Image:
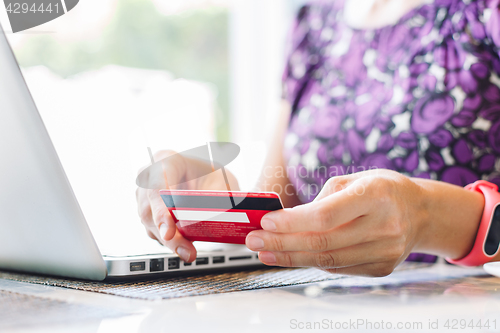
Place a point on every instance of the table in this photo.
(441, 298)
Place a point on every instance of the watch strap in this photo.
(477, 256)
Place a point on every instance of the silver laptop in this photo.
(42, 227)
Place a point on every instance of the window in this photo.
(112, 78)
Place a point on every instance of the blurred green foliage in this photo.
(193, 45)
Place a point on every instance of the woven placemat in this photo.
(183, 286)
(195, 285)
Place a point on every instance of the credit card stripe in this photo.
(195, 201)
(215, 216)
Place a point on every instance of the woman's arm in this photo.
(274, 176)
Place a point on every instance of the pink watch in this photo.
(487, 241)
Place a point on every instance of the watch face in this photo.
(493, 238)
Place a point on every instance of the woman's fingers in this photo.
(355, 232)
(373, 252)
(182, 247)
(176, 242)
(333, 210)
(161, 216)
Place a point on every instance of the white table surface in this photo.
(424, 296)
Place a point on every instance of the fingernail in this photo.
(267, 224)
(183, 253)
(255, 243)
(267, 258)
(163, 230)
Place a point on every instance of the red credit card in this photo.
(219, 216)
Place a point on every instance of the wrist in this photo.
(453, 214)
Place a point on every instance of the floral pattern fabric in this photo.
(421, 97)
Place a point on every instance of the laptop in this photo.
(42, 226)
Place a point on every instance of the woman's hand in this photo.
(152, 210)
(360, 224)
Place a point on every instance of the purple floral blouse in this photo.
(421, 97)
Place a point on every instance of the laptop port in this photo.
(137, 266)
(174, 263)
(218, 260)
(157, 265)
(240, 258)
(202, 261)
(188, 263)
